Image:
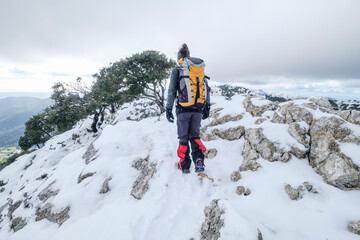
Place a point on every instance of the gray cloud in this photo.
(250, 40)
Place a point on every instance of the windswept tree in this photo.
(37, 131)
(147, 74)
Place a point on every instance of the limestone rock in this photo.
(298, 133)
(49, 212)
(326, 158)
(294, 113)
(309, 187)
(47, 192)
(225, 119)
(141, 185)
(247, 192)
(210, 229)
(17, 224)
(321, 102)
(260, 121)
(228, 134)
(250, 156)
(285, 157)
(257, 111)
(210, 153)
(240, 190)
(13, 207)
(294, 194)
(2, 189)
(299, 153)
(2, 183)
(261, 144)
(90, 154)
(260, 237)
(277, 118)
(354, 117)
(86, 175)
(235, 176)
(105, 187)
(354, 227)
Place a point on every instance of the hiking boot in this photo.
(186, 171)
(199, 165)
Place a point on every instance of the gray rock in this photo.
(105, 187)
(277, 119)
(260, 237)
(354, 227)
(86, 175)
(310, 105)
(210, 153)
(260, 121)
(42, 177)
(293, 193)
(18, 223)
(321, 102)
(298, 133)
(90, 154)
(250, 156)
(12, 208)
(354, 117)
(210, 229)
(235, 176)
(225, 119)
(325, 156)
(2, 189)
(240, 190)
(49, 212)
(141, 185)
(257, 111)
(261, 144)
(299, 153)
(294, 113)
(2, 183)
(247, 192)
(47, 192)
(228, 134)
(285, 157)
(309, 187)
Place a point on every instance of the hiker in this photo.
(189, 84)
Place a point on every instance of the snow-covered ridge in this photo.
(262, 181)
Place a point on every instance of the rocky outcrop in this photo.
(257, 111)
(143, 109)
(250, 155)
(48, 192)
(13, 207)
(354, 227)
(227, 118)
(49, 212)
(354, 117)
(18, 223)
(298, 193)
(228, 134)
(147, 170)
(86, 175)
(292, 113)
(90, 154)
(235, 176)
(210, 153)
(210, 229)
(294, 194)
(298, 133)
(263, 146)
(326, 158)
(240, 190)
(105, 187)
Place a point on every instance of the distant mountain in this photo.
(14, 112)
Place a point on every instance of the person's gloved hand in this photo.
(206, 111)
(169, 115)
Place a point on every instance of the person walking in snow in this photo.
(188, 85)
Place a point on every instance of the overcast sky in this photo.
(281, 45)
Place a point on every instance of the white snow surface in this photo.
(173, 207)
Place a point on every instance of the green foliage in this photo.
(141, 75)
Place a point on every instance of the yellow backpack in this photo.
(194, 91)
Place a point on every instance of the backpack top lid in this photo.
(191, 61)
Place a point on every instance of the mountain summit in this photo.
(274, 170)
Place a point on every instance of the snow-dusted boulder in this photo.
(326, 158)
(210, 229)
(257, 106)
(294, 113)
